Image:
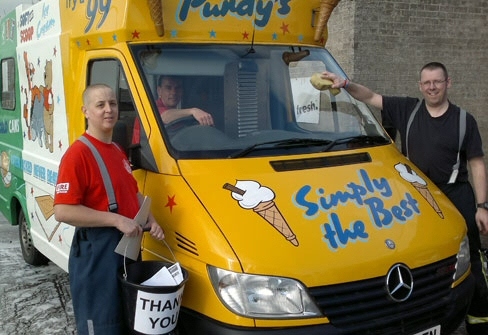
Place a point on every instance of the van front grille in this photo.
(364, 307)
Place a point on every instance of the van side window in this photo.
(8, 83)
(110, 72)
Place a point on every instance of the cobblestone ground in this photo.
(36, 300)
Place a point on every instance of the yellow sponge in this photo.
(323, 84)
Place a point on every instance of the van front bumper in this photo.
(190, 322)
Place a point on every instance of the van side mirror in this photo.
(135, 156)
(119, 135)
(141, 158)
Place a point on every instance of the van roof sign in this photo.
(294, 22)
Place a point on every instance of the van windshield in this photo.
(260, 100)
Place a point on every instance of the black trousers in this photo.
(462, 196)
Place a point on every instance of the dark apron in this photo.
(93, 267)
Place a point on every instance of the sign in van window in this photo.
(306, 99)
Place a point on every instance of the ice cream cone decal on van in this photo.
(156, 11)
(326, 8)
(251, 195)
(420, 185)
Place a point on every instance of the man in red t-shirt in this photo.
(169, 92)
(81, 200)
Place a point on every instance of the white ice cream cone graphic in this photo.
(251, 195)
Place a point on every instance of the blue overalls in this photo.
(93, 267)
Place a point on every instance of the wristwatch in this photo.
(483, 205)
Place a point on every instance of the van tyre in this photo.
(29, 252)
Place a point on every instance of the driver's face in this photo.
(170, 92)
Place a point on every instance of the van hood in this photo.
(323, 217)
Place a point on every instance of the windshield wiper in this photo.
(305, 142)
(288, 143)
(359, 139)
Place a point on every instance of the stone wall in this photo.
(384, 43)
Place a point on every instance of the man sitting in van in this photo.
(170, 91)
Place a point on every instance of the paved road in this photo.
(36, 300)
(33, 300)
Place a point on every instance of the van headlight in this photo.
(262, 296)
(463, 259)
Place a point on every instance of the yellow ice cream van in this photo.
(294, 213)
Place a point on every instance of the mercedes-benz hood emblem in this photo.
(399, 283)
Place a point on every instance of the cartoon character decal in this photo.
(251, 195)
(6, 174)
(39, 106)
(8, 30)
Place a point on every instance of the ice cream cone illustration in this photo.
(424, 191)
(420, 185)
(156, 10)
(270, 212)
(326, 8)
(251, 195)
(5, 168)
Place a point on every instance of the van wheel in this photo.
(29, 252)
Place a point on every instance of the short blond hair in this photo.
(91, 88)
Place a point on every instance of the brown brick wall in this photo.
(384, 43)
